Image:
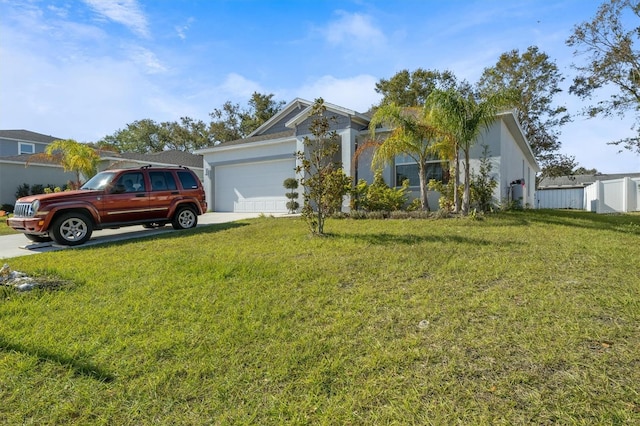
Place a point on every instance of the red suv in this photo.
(148, 196)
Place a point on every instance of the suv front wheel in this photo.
(184, 218)
(71, 229)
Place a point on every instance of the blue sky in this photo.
(84, 69)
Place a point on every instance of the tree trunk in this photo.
(456, 181)
(424, 201)
(466, 199)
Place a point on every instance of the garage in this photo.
(252, 187)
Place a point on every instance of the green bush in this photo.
(379, 196)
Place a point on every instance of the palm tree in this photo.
(464, 116)
(412, 134)
(73, 156)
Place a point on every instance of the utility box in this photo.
(517, 191)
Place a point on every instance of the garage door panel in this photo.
(253, 187)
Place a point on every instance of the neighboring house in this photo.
(16, 146)
(124, 160)
(601, 193)
(247, 175)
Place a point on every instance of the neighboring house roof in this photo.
(173, 157)
(24, 158)
(579, 181)
(26, 135)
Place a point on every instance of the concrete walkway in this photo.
(15, 245)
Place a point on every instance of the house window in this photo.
(26, 148)
(406, 168)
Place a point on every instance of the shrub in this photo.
(379, 196)
(291, 184)
(23, 190)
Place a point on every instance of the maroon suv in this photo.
(148, 196)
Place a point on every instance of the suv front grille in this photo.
(23, 210)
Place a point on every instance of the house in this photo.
(247, 175)
(16, 146)
(601, 193)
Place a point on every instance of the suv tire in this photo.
(184, 218)
(71, 229)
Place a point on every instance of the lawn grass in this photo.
(4, 229)
(523, 317)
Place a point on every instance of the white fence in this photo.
(613, 196)
(569, 198)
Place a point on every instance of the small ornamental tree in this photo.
(291, 184)
(322, 178)
(483, 184)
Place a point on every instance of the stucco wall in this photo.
(12, 175)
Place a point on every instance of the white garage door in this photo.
(253, 187)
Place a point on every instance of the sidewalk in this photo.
(18, 245)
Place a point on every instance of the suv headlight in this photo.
(35, 205)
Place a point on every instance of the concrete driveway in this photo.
(18, 245)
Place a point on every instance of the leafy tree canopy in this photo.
(536, 79)
(608, 43)
(230, 122)
(410, 89)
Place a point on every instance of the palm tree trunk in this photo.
(424, 201)
(456, 180)
(466, 198)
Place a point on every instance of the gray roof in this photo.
(26, 135)
(580, 181)
(23, 158)
(175, 157)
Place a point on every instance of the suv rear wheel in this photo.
(71, 229)
(184, 218)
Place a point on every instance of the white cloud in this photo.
(355, 30)
(357, 93)
(181, 30)
(147, 59)
(238, 86)
(125, 12)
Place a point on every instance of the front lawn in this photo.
(524, 317)
(4, 229)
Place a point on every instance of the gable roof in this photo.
(27, 136)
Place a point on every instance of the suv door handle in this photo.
(140, 195)
(175, 193)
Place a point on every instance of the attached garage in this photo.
(252, 187)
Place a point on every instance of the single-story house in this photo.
(601, 193)
(247, 175)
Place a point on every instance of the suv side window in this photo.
(131, 182)
(162, 181)
(187, 180)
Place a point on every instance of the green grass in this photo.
(522, 318)
(4, 229)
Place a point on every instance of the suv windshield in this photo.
(99, 181)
